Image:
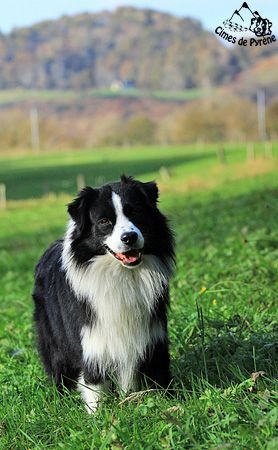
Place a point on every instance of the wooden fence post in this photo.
(3, 196)
(164, 173)
(35, 131)
(221, 155)
(250, 152)
(80, 182)
(268, 150)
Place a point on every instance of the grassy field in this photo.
(12, 96)
(223, 319)
(176, 168)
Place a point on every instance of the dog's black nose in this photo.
(129, 238)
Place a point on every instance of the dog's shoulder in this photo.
(51, 258)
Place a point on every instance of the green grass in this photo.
(12, 96)
(222, 323)
(33, 176)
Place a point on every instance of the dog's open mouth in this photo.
(130, 258)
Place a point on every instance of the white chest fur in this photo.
(122, 300)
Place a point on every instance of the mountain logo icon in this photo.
(244, 19)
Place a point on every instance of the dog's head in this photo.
(121, 219)
(260, 26)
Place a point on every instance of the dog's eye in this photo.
(104, 221)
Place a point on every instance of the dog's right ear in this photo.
(79, 207)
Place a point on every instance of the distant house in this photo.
(118, 85)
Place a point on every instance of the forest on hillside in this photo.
(138, 48)
(131, 76)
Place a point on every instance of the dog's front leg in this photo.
(155, 370)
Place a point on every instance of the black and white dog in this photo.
(101, 293)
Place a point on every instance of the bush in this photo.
(219, 119)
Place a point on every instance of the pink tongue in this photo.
(126, 258)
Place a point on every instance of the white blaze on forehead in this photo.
(122, 220)
(122, 225)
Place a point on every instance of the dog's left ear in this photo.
(151, 191)
(79, 207)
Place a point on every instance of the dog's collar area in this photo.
(131, 258)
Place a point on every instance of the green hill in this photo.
(130, 48)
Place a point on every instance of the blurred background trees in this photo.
(131, 76)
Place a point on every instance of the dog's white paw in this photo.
(90, 394)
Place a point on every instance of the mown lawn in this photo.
(223, 320)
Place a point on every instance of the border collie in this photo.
(101, 293)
